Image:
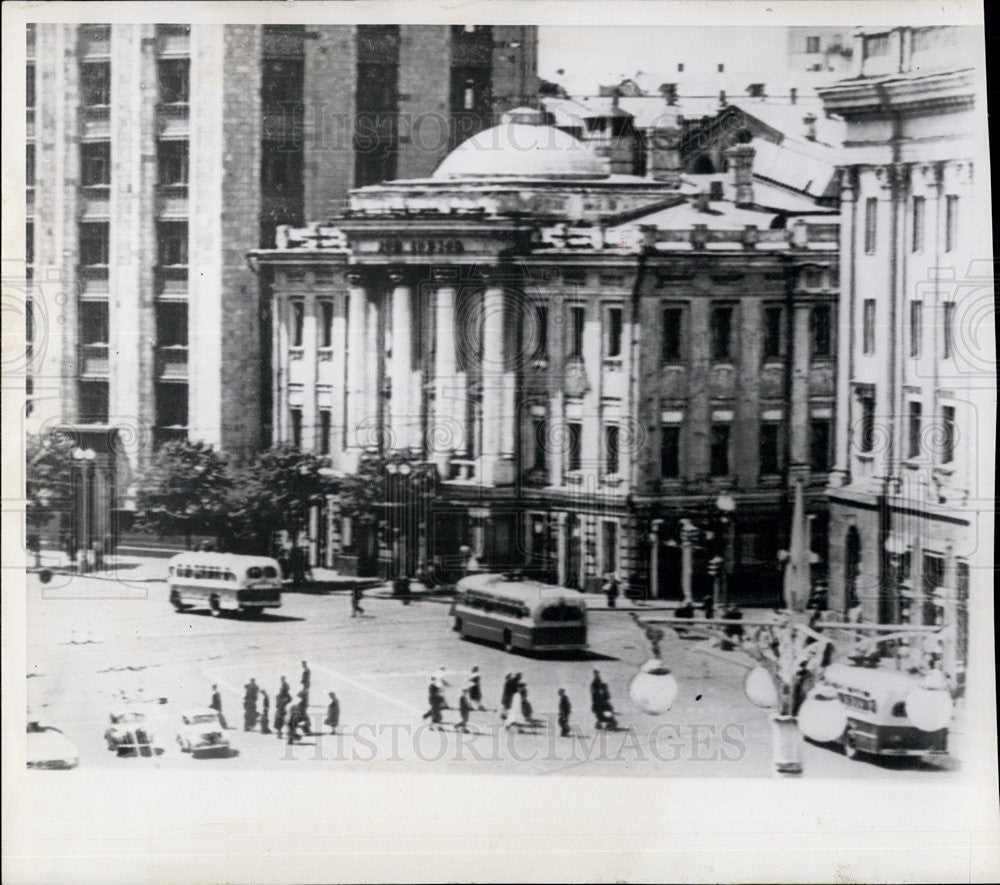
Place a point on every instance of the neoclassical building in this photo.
(588, 359)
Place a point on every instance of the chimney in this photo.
(810, 121)
(793, 94)
(741, 160)
(715, 191)
(669, 92)
(722, 98)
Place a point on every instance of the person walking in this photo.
(611, 589)
(435, 701)
(281, 702)
(250, 705)
(306, 681)
(597, 687)
(565, 708)
(265, 712)
(333, 713)
(507, 696)
(464, 709)
(605, 711)
(475, 689)
(527, 711)
(293, 723)
(356, 594)
(216, 704)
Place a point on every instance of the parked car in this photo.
(128, 734)
(202, 732)
(49, 748)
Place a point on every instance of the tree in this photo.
(185, 491)
(48, 481)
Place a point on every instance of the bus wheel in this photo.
(214, 607)
(850, 751)
(175, 601)
(457, 627)
(508, 641)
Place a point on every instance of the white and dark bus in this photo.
(223, 581)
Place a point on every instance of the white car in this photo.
(128, 734)
(49, 748)
(202, 732)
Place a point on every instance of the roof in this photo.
(870, 679)
(222, 560)
(523, 591)
(722, 215)
(796, 165)
(520, 150)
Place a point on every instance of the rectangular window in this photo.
(609, 545)
(867, 441)
(819, 445)
(950, 223)
(720, 450)
(95, 83)
(298, 319)
(612, 332)
(94, 323)
(172, 162)
(175, 80)
(916, 326)
(95, 163)
(673, 334)
(281, 168)
(871, 221)
(172, 324)
(540, 432)
(325, 418)
(171, 405)
(577, 316)
(913, 430)
(172, 243)
(722, 331)
(29, 85)
(770, 442)
(29, 242)
(868, 326)
(812, 45)
(773, 317)
(611, 439)
(822, 337)
(574, 432)
(947, 434)
(947, 329)
(295, 416)
(326, 323)
(918, 224)
(29, 165)
(94, 243)
(541, 331)
(93, 398)
(670, 451)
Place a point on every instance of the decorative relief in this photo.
(722, 384)
(674, 385)
(575, 382)
(772, 382)
(821, 379)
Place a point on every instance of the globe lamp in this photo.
(760, 688)
(822, 717)
(653, 689)
(929, 706)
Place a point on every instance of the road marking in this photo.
(369, 689)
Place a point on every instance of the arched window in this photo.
(702, 165)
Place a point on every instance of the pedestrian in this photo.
(597, 688)
(605, 711)
(216, 704)
(293, 723)
(507, 695)
(565, 708)
(708, 604)
(250, 705)
(356, 609)
(475, 689)
(527, 712)
(611, 589)
(436, 703)
(265, 712)
(333, 713)
(464, 709)
(281, 702)
(302, 717)
(304, 696)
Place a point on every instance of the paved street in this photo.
(90, 638)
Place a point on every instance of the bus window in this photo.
(199, 572)
(270, 571)
(230, 576)
(560, 612)
(253, 572)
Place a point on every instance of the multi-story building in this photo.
(588, 359)
(159, 155)
(912, 493)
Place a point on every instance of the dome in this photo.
(522, 150)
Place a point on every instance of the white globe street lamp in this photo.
(822, 718)
(653, 689)
(760, 689)
(929, 706)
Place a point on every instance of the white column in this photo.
(442, 433)
(493, 381)
(338, 417)
(845, 341)
(401, 406)
(357, 347)
(562, 548)
(310, 359)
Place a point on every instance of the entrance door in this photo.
(366, 542)
(669, 577)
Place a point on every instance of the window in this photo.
(609, 546)
(918, 224)
(29, 85)
(298, 318)
(756, 90)
(868, 326)
(93, 402)
(916, 326)
(947, 329)
(94, 245)
(95, 83)
(172, 162)
(324, 431)
(822, 339)
(469, 96)
(719, 455)
(577, 316)
(171, 405)
(770, 434)
(867, 403)
(281, 168)
(172, 243)
(670, 451)
(326, 323)
(673, 331)
(772, 332)
(680, 67)
(29, 242)
(721, 67)
(296, 421)
(541, 331)
(722, 330)
(819, 445)
(812, 45)
(171, 324)
(95, 164)
(29, 165)
(573, 442)
(94, 325)
(611, 440)
(950, 223)
(175, 80)
(947, 434)
(282, 82)
(913, 430)
(871, 220)
(612, 332)
(374, 162)
(540, 432)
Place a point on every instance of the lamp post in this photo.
(84, 462)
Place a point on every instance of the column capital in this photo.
(441, 276)
(397, 275)
(354, 278)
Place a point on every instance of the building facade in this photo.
(912, 489)
(159, 155)
(592, 362)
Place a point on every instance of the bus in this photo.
(223, 581)
(520, 614)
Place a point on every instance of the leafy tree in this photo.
(48, 477)
(185, 491)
